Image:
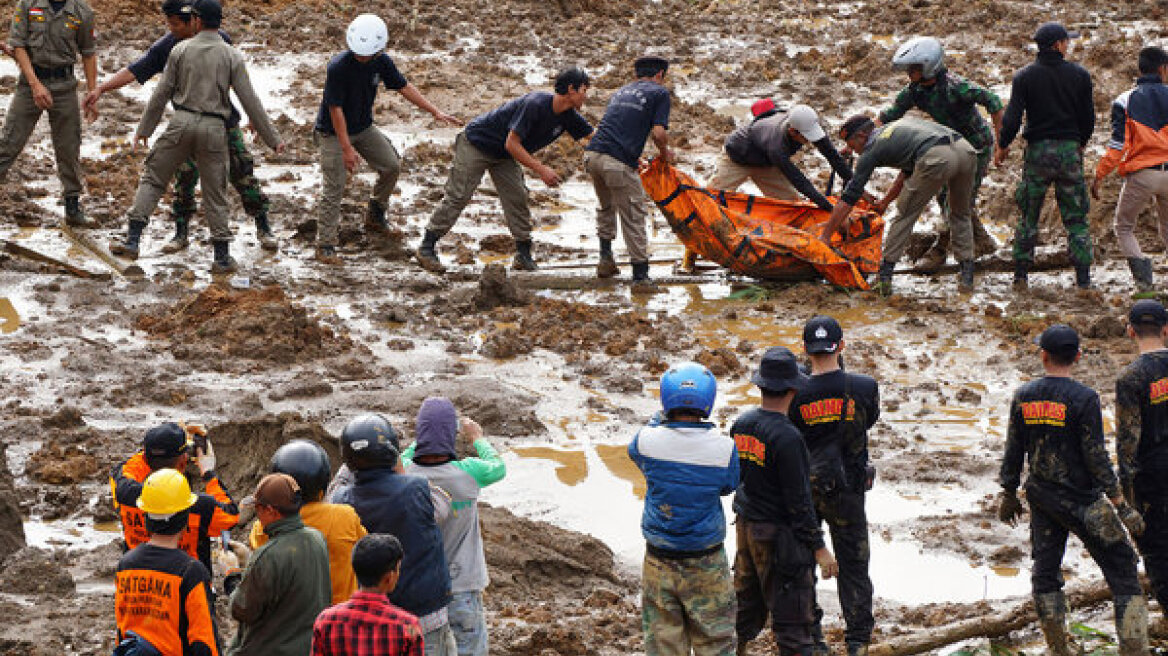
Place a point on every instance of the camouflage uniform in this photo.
(952, 102)
(1141, 443)
(1058, 161)
(241, 174)
(688, 603)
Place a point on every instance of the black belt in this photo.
(195, 111)
(51, 73)
(1158, 167)
(669, 554)
(945, 141)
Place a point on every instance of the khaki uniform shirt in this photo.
(53, 39)
(199, 77)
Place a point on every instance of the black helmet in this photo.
(306, 462)
(369, 442)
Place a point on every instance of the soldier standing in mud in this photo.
(779, 538)
(952, 101)
(1141, 437)
(241, 164)
(1056, 425)
(834, 413)
(1055, 96)
(45, 40)
(344, 128)
(497, 142)
(687, 596)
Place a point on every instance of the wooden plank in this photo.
(84, 240)
(25, 252)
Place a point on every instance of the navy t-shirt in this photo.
(352, 86)
(153, 61)
(628, 120)
(533, 121)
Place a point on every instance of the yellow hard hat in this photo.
(166, 492)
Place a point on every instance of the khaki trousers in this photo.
(64, 121)
(188, 136)
(953, 165)
(466, 172)
(1138, 189)
(376, 149)
(729, 175)
(619, 190)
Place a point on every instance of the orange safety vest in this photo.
(162, 595)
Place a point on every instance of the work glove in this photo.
(1131, 518)
(205, 459)
(1009, 507)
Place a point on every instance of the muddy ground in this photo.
(291, 349)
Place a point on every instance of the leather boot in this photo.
(965, 275)
(426, 255)
(523, 260)
(75, 215)
(223, 262)
(607, 267)
(1021, 275)
(883, 284)
(1083, 276)
(181, 238)
(1141, 270)
(129, 247)
(375, 218)
(1052, 617)
(264, 233)
(1131, 625)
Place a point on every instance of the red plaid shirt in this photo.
(366, 625)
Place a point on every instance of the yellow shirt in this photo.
(341, 529)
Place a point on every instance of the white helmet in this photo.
(924, 51)
(806, 122)
(367, 35)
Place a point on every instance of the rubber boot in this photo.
(75, 215)
(1131, 625)
(1021, 275)
(426, 254)
(607, 267)
(264, 233)
(1083, 276)
(857, 649)
(375, 218)
(642, 283)
(883, 284)
(983, 242)
(965, 275)
(181, 238)
(523, 260)
(223, 262)
(1052, 617)
(1141, 270)
(129, 247)
(934, 258)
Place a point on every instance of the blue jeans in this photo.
(439, 642)
(468, 622)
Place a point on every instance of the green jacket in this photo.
(952, 102)
(285, 586)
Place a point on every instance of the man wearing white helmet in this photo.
(952, 101)
(345, 130)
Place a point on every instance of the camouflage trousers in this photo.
(687, 603)
(774, 576)
(1058, 162)
(240, 172)
(843, 511)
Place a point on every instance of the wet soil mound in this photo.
(244, 448)
(11, 523)
(254, 324)
(35, 571)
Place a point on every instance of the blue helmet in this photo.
(688, 385)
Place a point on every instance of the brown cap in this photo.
(279, 491)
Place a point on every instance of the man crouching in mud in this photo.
(1056, 424)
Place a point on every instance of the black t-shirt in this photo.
(1141, 417)
(531, 118)
(352, 86)
(835, 429)
(1056, 425)
(773, 463)
(629, 118)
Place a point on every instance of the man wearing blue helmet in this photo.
(687, 598)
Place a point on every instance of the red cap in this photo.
(762, 106)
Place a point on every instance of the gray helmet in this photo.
(924, 51)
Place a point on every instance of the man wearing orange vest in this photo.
(168, 446)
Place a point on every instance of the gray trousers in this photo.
(377, 150)
(64, 120)
(188, 136)
(619, 190)
(466, 171)
(952, 165)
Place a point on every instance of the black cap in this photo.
(1049, 34)
(1059, 339)
(165, 441)
(1148, 312)
(209, 10)
(779, 371)
(822, 334)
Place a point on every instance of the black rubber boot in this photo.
(857, 649)
(75, 215)
(264, 233)
(523, 260)
(375, 217)
(607, 267)
(426, 254)
(129, 248)
(223, 262)
(883, 284)
(1052, 617)
(965, 275)
(181, 238)
(642, 283)
(1141, 270)
(1083, 276)
(1021, 275)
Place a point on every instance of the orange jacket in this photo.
(163, 596)
(213, 512)
(1139, 129)
(341, 529)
